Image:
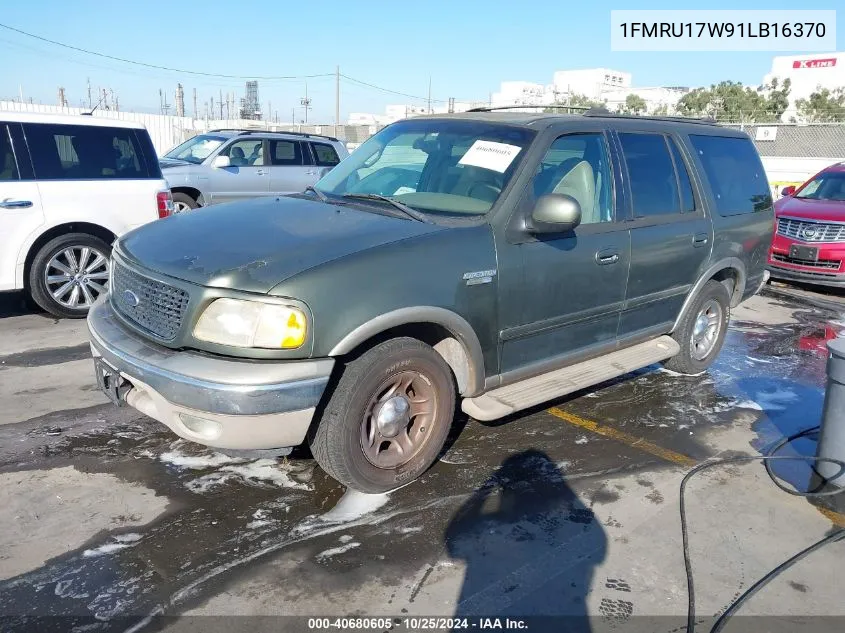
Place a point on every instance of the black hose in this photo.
(766, 459)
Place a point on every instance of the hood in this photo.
(255, 245)
(166, 163)
(822, 210)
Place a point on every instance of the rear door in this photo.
(248, 174)
(325, 157)
(291, 166)
(671, 237)
(21, 212)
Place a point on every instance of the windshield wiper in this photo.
(322, 197)
(408, 211)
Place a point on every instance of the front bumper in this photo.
(221, 402)
(828, 271)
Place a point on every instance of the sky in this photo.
(464, 47)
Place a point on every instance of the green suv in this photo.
(488, 260)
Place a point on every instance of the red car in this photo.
(809, 240)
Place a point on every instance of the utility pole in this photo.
(116, 104)
(160, 100)
(195, 104)
(105, 100)
(306, 102)
(180, 101)
(221, 104)
(211, 107)
(429, 94)
(336, 99)
(62, 100)
(269, 117)
(90, 103)
(293, 118)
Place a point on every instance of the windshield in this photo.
(448, 167)
(827, 186)
(196, 149)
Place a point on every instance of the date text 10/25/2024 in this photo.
(417, 623)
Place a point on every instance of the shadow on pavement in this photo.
(529, 545)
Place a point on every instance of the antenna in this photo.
(96, 106)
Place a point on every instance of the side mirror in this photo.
(555, 213)
(220, 162)
(787, 191)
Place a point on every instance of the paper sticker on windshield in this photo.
(490, 155)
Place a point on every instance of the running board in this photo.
(530, 392)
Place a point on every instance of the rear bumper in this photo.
(222, 402)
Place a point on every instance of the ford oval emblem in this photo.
(130, 298)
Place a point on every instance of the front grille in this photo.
(159, 307)
(811, 231)
(827, 264)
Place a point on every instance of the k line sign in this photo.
(815, 63)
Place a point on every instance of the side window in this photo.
(8, 165)
(285, 152)
(83, 152)
(325, 154)
(735, 173)
(246, 153)
(578, 165)
(654, 186)
(687, 199)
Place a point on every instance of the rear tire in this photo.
(182, 203)
(388, 417)
(63, 285)
(702, 331)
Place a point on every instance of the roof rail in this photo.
(519, 107)
(242, 131)
(600, 112)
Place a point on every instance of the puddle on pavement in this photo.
(226, 513)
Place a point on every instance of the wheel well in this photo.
(189, 191)
(71, 227)
(729, 277)
(440, 338)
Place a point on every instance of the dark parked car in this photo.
(496, 259)
(809, 244)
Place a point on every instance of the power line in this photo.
(388, 90)
(155, 66)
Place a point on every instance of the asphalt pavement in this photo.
(110, 522)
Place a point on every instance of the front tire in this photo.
(701, 333)
(183, 203)
(69, 273)
(388, 417)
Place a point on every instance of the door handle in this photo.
(607, 256)
(15, 204)
(700, 240)
(260, 172)
(311, 173)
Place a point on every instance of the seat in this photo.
(580, 183)
(237, 157)
(256, 157)
(478, 183)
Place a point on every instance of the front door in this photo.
(20, 201)
(671, 237)
(567, 291)
(291, 168)
(247, 175)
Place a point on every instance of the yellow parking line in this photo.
(626, 438)
(680, 459)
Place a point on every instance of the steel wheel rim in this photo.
(76, 276)
(180, 207)
(380, 446)
(706, 329)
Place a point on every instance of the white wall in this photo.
(807, 73)
(590, 82)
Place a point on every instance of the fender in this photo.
(733, 263)
(456, 324)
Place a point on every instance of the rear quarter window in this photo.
(735, 173)
(82, 152)
(325, 154)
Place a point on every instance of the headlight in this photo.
(251, 324)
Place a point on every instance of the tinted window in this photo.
(577, 165)
(8, 166)
(84, 152)
(735, 173)
(285, 153)
(654, 185)
(325, 154)
(246, 153)
(687, 199)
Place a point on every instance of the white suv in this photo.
(69, 186)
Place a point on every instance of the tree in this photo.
(577, 101)
(661, 110)
(634, 104)
(823, 106)
(731, 101)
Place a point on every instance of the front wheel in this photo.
(182, 203)
(69, 273)
(388, 417)
(702, 331)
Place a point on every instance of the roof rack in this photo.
(677, 119)
(242, 132)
